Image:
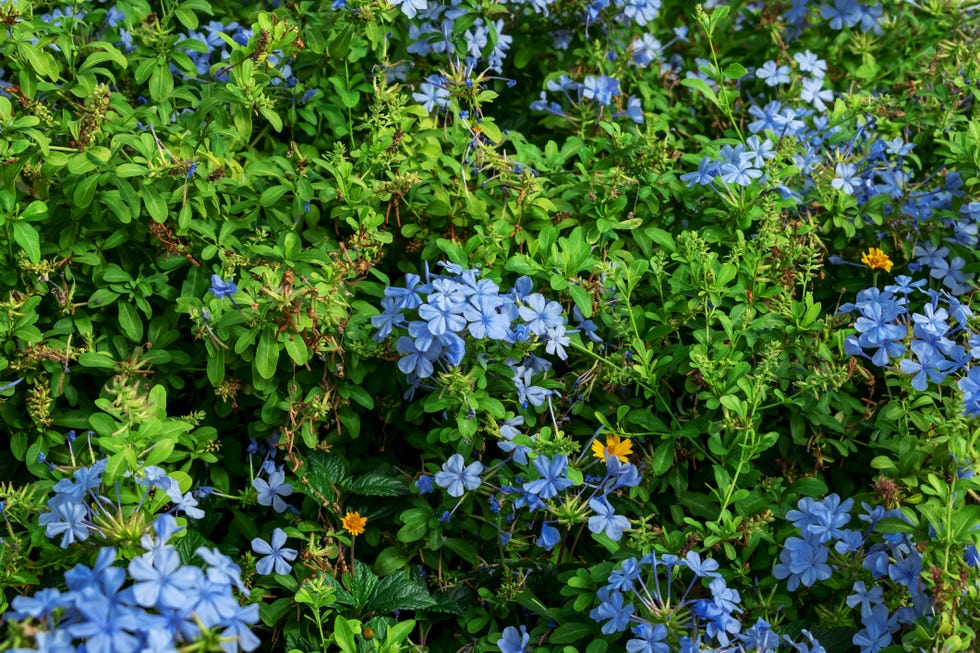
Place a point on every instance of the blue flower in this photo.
(222, 289)
(160, 581)
(612, 610)
(67, 520)
(514, 641)
(602, 89)
(424, 484)
(549, 537)
(649, 639)
(276, 557)
(552, 481)
(606, 520)
(410, 7)
(457, 478)
(272, 491)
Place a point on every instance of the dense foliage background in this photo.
(548, 326)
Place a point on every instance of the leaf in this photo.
(735, 71)
(698, 84)
(390, 560)
(96, 360)
(325, 473)
(130, 322)
(27, 237)
(343, 635)
(270, 196)
(267, 353)
(296, 348)
(571, 633)
(377, 485)
(399, 592)
(155, 205)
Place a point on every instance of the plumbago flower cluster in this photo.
(153, 603)
(891, 596)
(942, 342)
(554, 491)
(663, 612)
(451, 314)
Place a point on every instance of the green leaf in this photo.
(267, 353)
(155, 205)
(96, 360)
(399, 592)
(390, 560)
(130, 322)
(377, 485)
(699, 85)
(343, 635)
(571, 633)
(274, 119)
(85, 191)
(27, 237)
(271, 196)
(735, 71)
(296, 348)
(325, 473)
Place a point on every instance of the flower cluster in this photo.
(705, 613)
(824, 529)
(80, 508)
(447, 314)
(165, 605)
(942, 344)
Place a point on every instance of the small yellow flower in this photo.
(876, 259)
(353, 523)
(616, 447)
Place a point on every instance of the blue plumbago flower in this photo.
(846, 178)
(456, 477)
(802, 560)
(650, 638)
(811, 63)
(552, 481)
(161, 581)
(705, 175)
(432, 94)
(221, 568)
(508, 431)
(184, 502)
(222, 289)
(67, 520)
(602, 89)
(773, 74)
(513, 640)
(606, 520)
(549, 537)
(622, 578)
(276, 557)
(540, 314)
(272, 491)
(612, 610)
(645, 50)
(424, 484)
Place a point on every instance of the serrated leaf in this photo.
(377, 485)
(399, 592)
(325, 473)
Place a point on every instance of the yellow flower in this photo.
(620, 449)
(876, 259)
(353, 523)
